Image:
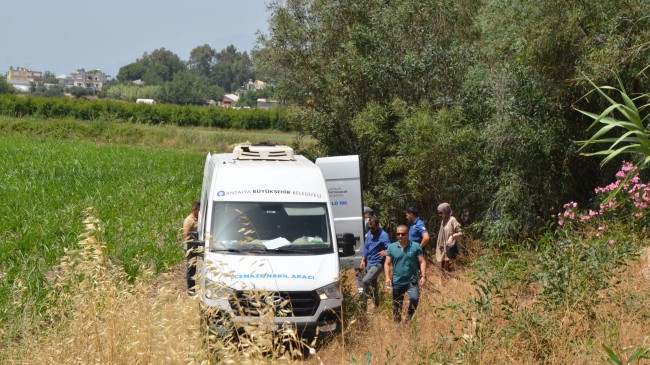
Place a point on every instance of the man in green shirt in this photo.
(405, 256)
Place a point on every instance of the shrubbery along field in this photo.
(181, 115)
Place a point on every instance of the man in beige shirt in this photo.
(190, 224)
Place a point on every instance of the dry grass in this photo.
(405, 343)
(447, 331)
(100, 318)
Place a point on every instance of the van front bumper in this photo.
(326, 322)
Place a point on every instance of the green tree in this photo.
(188, 88)
(522, 91)
(131, 72)
(338, 57)
(40, 89)
(232, 69)
(79, 92)
(366, 73)
(49, 78)
(249, 98)
(6, 87)
(201, 60)
(154, 69)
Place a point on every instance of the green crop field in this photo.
(140, 180)
(139, 194)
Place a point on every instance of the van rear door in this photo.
(205, 193)
(343, 179)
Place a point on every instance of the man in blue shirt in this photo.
(406, 256)
(417, 231)
(373, 253)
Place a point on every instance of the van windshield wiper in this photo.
(222, 249)
(238, 250)
(290, 250)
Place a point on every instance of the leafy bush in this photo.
(5, 87)
(249, 119)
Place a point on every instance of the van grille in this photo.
(301, 304)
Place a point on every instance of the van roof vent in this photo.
(262, 152)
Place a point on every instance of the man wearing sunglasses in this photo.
(405, 257)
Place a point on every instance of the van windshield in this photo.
(283, 228)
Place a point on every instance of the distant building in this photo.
(266, 103)
(254, 85)
(229, 100)
(23, 76)
(145, 101)
(93, 79)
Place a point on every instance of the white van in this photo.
(268, 231)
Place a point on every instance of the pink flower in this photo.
(560, 223)
(611, 242)
(627, 166)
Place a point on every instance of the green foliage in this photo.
(47, 91)
(251, 119)
(509, 70)
(207, 75)
(639, 353)
(79, 92)
(5, 87)
(232, 69)
(187, 88)
(202, 59)
(249, 98)
(156, 68)
(49, 78)
(131, 72)
(574, 268)
(634, 139)
(130, 92)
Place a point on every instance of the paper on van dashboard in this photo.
(276, 242)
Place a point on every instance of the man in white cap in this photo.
(358, 272)
(367, 213)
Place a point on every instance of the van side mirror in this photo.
(346, 245)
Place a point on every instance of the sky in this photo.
(62, 35)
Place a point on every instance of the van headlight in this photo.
(215, 290)
(331, 291)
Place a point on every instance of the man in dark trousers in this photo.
(405, 257)
(373, 253)
(190, 228)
